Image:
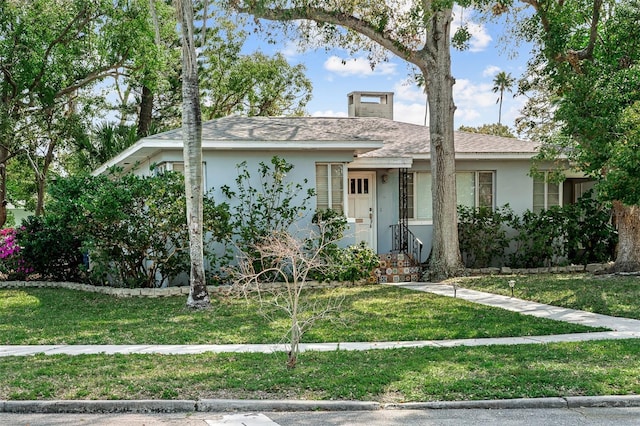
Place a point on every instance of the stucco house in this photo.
(374, 169)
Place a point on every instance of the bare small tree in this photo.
(293, 262)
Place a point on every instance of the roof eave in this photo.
(147, 148)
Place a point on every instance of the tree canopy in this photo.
(590, 67)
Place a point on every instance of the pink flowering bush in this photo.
(11, 262)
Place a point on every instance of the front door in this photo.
(362, 206)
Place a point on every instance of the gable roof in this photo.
(376, 142)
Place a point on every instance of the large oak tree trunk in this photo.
(192, 137)
(445, 253)
(628, 251)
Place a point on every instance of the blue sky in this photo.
(473, 69)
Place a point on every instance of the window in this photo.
(165, 166)
(419, 196)
(473, 189)
(178, 167)
(545, 194)
(330, 185)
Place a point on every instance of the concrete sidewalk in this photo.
(621, 328)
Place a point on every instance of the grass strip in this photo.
(369, 313)
(603, 294)
(399, 375)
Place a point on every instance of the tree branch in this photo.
(321, 15)
(96, 75)
(81, 20)
(572, 56)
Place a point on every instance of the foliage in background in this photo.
(490, 129)
(591, 236)
(483, 234)
(587, 66)
(353, 263)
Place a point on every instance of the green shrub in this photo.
(258, 209)
(51, 248)
(353, 263)
(540, 239)
(591, 237)
(133, 227)
(482, 234)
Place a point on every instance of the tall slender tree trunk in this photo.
(192, 137)
(628, 251)
(445, 253)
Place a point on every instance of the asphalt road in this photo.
(466, 417)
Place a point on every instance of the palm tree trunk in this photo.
(192, 137)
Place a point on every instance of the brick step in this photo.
(397, 267)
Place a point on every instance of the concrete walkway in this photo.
(622, 328)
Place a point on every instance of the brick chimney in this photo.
(371, 104)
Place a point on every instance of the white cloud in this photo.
(474, 102)
(358, 66)
(480, 38)
(409, 113)
(491, 71)
(329, 113)
(405, 90)
(290, 50)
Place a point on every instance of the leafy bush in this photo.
(482, 234)
(540, 239)
(51, 248)
(353, 263)
(133, 227)
(591, 237)
(273, 204)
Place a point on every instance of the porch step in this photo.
(396, 268)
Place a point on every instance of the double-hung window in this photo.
(473, 189)
(545, 194)
(419, 196)
(330, 186)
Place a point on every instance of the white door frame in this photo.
(371, 175)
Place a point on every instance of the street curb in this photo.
(98, 406)
(249, 405)
(222, 405)
(493, 404)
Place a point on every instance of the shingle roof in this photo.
(400, 139)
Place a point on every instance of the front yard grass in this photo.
(374, 313)
(614, 295)
(370, 313)
(399, 375)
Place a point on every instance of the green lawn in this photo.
(371, 313)
(421, 374)
(604, 294)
